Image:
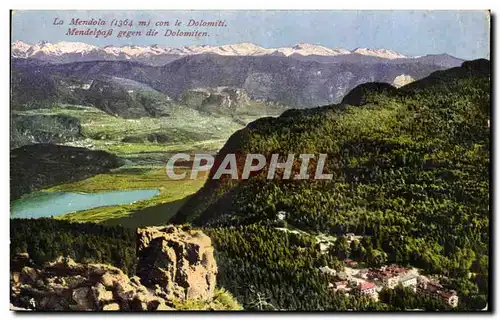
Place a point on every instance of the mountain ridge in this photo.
(293, 82)
(245, 48)
(65, 52)
(208, 207)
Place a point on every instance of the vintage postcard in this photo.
(250, 160)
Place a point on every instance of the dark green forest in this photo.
(410, 170)
(46, 239)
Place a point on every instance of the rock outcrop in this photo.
(177, 263)
(64, 285)
(174, 264)
(402, 80)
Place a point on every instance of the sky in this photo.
(463, 34)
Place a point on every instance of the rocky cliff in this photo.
(179, 264)
(174, 264)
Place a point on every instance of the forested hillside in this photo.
(410, 170)
(33, 167)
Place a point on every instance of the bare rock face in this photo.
(64, 285)
(177, 263)
(20, 260)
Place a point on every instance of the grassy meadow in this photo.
(185, 129)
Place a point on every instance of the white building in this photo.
(281, 215)
(409, 280)
(367, 288)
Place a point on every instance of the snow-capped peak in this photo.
(65, 49)
(381, 53)
(307, 49)
(244, 49)
(20, 46)
(62, 47)
(239, 49)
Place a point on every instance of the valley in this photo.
(143, 145)
(139, 125)
(186, 130)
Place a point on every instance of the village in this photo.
(369, 282)
(358, 280)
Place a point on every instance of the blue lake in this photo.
(51, 204)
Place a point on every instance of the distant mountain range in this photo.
(276, 79)
(66, 52)
(301, 76)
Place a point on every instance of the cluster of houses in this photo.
(391, 276)
(436, 291)
(369, 282)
